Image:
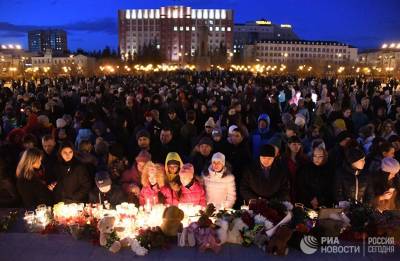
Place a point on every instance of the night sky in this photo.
(92, 24)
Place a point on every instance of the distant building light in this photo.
(286, 26)
(263, 22)
(392, 45)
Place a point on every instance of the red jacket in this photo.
(151, 194)
(195, 194)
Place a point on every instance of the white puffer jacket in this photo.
(220, 188)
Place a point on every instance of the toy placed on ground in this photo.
(172, 221)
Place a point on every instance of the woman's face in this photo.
(173, 168)
(152, 175)
(37, 163)
(295, 147)
(67, 154)
(217, 166)
(318, 157)
(140, 165)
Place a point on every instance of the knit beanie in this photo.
(142, 133)
(342, 136)
(60, 123)
(267, 150)
(210, 123)
(390, 165)
(206, 140)
(354, 155)
(218, 157)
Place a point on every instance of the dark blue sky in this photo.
(92, 24)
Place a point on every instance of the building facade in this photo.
(300, 52)
(78, 64)
(179, 32)
(41, 40)
(260, 30)
(386, 59)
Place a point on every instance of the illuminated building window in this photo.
(205, 14)
(223, 14)
(217, 29)
(193, 13)
(193, 28)
(217, 14)
(211, 28)
(175, 28)
(223, 29)
(211, 14)
(157, 13)
(199, 14)
(187, 28)
(228, 28)
(145, 14)
(128, 14)
(181, 28)
(175, 13)
(139, 14)
(151, 14)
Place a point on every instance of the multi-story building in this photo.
(387, 58)
(179, 32)
(64, 64)
(300, 52)
(41, 40)
(260, 30)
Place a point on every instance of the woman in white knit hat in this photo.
(386, 185)
(219, 183)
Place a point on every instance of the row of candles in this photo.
(128, 216)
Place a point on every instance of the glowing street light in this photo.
(384, 46)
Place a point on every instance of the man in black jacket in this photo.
(105, 190)
(351, 181)
(266, 178)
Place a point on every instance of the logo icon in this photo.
(309, 245)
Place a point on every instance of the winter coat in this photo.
(260, 137)
(352, 185)
(115, 196)
(200, 162)
(33, 192)
(153, 194)
(220, 187)
(269, 184)
(193, 193)
(315, 182)
(73, 182)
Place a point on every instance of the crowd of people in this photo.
(200, 137)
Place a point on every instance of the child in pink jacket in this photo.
(191, 191)
(154, 190)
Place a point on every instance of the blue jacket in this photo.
(260, 137)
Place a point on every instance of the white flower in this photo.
(259, 219)
(137, 248)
